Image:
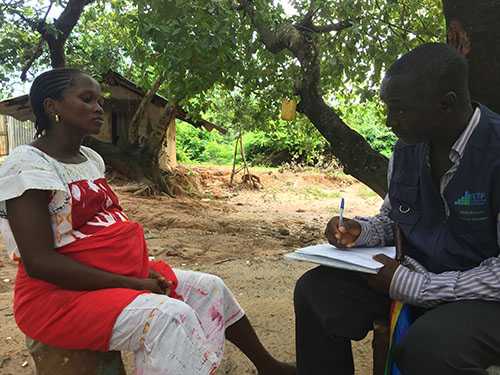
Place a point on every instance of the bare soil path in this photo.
(238, 234)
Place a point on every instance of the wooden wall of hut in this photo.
(4, 137)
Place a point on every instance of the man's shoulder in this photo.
(487, 140)
(493, 118)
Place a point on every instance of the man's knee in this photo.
(333, 300)
(415, 347)
(303, 286)
(427, 349)
(309, 283)
(326, 282)
(315, 278)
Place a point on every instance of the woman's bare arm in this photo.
(30, 223)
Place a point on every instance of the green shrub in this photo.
(217, 152)
(190, 142)
(297, 141)
(199, 145)
(368, 119)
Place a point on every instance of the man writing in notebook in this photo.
(444, 194)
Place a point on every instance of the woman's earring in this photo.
(57, 118)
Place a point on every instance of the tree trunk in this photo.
(473, 29)
(133, 127)
(139, 162)
(127, 162)
(353, 151)
(57, 55)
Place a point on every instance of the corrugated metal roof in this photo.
(18, 107)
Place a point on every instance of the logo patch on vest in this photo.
(472, 206)
(472, 199)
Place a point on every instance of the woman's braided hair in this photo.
(50, 84)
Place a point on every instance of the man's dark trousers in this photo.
(334, 306)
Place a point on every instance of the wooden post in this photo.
(233, 173)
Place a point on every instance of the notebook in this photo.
(354, 259)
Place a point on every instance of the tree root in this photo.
(146, 190)
(174, 183)
(252, 180)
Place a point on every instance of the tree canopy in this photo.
(246, 54)
(202, 45)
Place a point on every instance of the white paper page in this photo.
(329, 262)
(361, 256)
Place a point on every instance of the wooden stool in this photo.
(49, 361)
(380, 345)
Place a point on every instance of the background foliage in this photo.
(217, 68)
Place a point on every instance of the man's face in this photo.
(411, 116)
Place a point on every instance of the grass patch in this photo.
(228, 166)
(313, 192)
(366, 193)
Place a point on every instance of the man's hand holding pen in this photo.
(343, 232)
(345, 237)
(342, 236)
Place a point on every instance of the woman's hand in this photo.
(164, 283)
(155, 283)
(342, 236)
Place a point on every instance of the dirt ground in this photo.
(238, 234)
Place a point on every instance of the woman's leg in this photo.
(166, 337)
(244, 337)
(222, 317)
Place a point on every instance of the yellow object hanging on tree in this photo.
(288, 109)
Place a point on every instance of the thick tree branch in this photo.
(133, 127)
(358, 158)
(271, 40)
(307, 22)
(339, 26)
(184, 116)
(288, 37)
(56, 39)
(37, 52)
(308, 18)
(69, 17)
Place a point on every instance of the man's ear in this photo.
(50, 107)
(448, 101)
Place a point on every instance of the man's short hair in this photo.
(436, 68)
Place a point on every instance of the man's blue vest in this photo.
(469, 234)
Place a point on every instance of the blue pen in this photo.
(341, 213)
